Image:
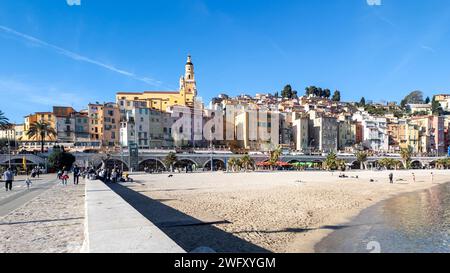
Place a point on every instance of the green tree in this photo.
(232, 164)
(336, 96)
(59, 159)
(361, 158)
(332, 163)
(4, 121)
(427, 100)
(406, 154)
(436, 107)
(170, 160)
(275, 156)
(415, 97)
(247, 162)
(41, 130)
(327, 93)
(287, 92)
(362, 102)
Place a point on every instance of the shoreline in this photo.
(311, 239)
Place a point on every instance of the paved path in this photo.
(20, 195)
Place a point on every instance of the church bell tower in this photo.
(188, 86)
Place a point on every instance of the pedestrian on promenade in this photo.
(64, 178)
(28, 182)
(414, 177)
(391, 178)
(432, 177)
(76, 175)
(8, 177)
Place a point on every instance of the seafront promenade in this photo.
(221, 212)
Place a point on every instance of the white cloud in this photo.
(374, 2)
(79, 57)
(37, 95)
(73, 2)
(428, 48)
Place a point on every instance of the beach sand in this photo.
(53, 222)
(277, 211)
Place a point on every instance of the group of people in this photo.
(113, 175)
(8, 177)
(391, 178)
(63, 175)
(36, 171)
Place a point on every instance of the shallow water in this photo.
(409, 223)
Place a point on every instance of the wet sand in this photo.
(277, 211)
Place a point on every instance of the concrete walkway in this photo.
(114, 226)
(9, 201)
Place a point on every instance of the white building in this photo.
(420, 108)
(375, 132)
(147, 127)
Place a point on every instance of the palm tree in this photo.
(405, 153)
(331, 162)
(41, 130)
(4, 121)
(247, 162)
(361, 157)
(231, 164)
(170, 159)
(341, 164)
(275, 156)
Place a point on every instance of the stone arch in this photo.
(219, 164)
(153, 164)
(185, 162)
(355, 165)
(416, 164)
(115, 163)
(432, 164)
(18, 162)
(292, 161)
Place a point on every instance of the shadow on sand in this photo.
(302, 230)
(188, 232)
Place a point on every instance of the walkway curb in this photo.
(114, 226)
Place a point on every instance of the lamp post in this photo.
(211, 147)
(9, 150)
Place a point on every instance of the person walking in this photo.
(64, 178)
(432, 177)
(28, 182)
(414, 177)
(391, 178)
(59, 174)
(76, 175)
(8, 177)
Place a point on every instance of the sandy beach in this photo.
(53, 222)
(276, 211)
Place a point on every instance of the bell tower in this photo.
(188, 86)
(189, 70)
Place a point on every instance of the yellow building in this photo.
(47, 117)
(413, 137)
(160, 100)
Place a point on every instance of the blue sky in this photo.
(55, 54)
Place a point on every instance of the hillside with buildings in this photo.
(316, 122)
